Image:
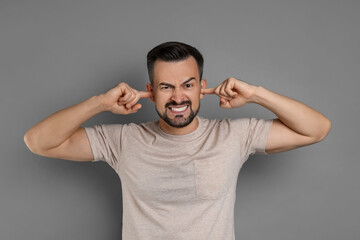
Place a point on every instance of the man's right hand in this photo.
(122, 99)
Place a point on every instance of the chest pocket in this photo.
(213, 177)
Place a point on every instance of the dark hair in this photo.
(173, 52)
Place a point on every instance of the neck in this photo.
(179, 131)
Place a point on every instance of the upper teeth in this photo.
(178, 109)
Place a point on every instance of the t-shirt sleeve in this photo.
(254, 133)
(105, 142)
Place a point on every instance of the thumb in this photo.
(136, 107)
(224, 103)
(133, 109)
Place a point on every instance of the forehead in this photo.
(172, 72)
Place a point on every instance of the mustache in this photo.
(173, 103)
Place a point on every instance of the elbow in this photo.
(27, 140)
(30, 142)
(31, 139)
(326, 127)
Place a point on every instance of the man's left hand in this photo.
(233, 93)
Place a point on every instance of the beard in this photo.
(179, 121)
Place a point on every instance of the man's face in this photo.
(176, 91)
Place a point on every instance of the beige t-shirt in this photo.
(179, 187)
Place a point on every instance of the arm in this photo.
(297, 124)
(61, 136)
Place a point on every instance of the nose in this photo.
(178, 96)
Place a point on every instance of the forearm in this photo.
(294, 114)
(58, 127)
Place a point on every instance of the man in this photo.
(178, 174)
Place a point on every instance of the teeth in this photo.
(178, 109)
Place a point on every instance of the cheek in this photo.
(160, 99)
(196, 97)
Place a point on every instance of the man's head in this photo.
(173, 52)
(175, 71)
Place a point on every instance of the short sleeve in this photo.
(254, 133)
(105, 142)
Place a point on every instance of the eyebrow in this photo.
(182, 84)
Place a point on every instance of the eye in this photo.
(188, 85)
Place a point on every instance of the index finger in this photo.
(145, 94)
(208, 90)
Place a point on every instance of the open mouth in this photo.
(178, 109)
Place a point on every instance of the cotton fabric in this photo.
(179, 187)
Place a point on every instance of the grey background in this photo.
(57, 53)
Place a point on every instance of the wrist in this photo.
(263, 96)
(97, 103)
(257, 94)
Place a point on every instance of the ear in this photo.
(149, 88)
(203, 85)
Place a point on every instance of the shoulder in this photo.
(245, 123)
(120, 129)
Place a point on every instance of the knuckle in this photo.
(122, 84)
